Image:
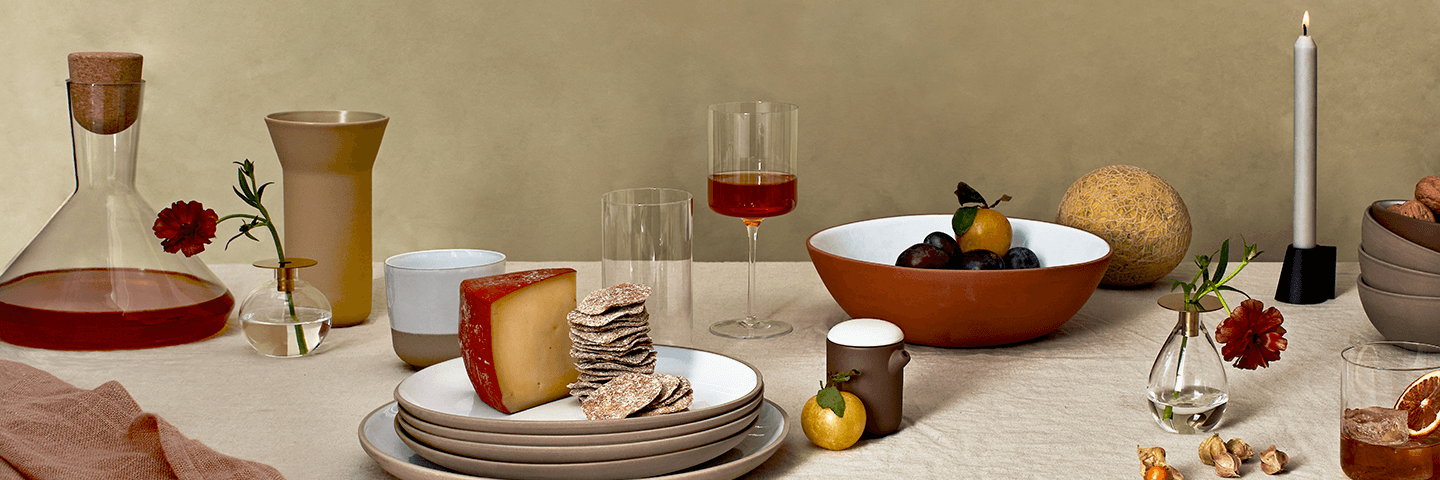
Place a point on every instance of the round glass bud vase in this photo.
(1188, 390)
(285, 316)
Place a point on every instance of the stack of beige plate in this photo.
(728, 430)
(1399, 280)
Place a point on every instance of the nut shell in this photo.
(1428, 192)
(1413, 209)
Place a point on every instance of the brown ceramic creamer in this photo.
(877, 349)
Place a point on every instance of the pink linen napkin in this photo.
(51, 430)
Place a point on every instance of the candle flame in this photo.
(1305, 23)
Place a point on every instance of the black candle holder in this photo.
(1308, 276)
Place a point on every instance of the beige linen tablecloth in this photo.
(1067, 405)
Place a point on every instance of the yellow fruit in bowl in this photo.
(990, 231)
(832, 419)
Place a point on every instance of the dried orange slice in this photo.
(1422, 401)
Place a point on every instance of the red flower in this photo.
(186, 227)
(1252, 337)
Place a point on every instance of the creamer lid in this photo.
(865, 332)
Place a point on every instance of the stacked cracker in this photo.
(610, 331)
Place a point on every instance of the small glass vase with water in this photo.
(285, 316)
(1188, 391)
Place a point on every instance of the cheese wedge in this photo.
(515, 339)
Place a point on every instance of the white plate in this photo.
(442, 394)
(381, 443)
(581, 440)
(581, 453)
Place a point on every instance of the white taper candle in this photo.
(1304, 137)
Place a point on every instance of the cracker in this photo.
(621, 397)
(577, 317)
(668, 384)
(683, 390)
(599, 366)
(603, 376)
(680, 399)
(635, 356)
(620, 347)
(619, 295)
(607, 337)
(635, 321)
(582, 390)
(679, 406)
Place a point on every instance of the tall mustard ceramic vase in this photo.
(327, 157)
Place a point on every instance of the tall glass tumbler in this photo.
(1389, 398)
(645, 240)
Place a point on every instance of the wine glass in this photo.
(753, 152)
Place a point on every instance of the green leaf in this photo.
(248, 201)
(260, 194)
(242, 233)
(1221, 260)
(245, 185)
(964, 218)
(1232, 289)
(968, 195)
(843, 376)
(829, 397)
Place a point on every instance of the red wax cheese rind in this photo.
(515, 339)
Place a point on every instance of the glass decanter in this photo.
(96, 276)
(285, 317)
(1188, 391)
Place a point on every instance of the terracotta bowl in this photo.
(958, 308)
(1388, 246)
(1398, 316)
(1419, 232)
(1389, 277)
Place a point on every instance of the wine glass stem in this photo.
(752, 230)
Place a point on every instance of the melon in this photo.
(1140, 215)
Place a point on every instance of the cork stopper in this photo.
(105, 67)
(105, 90)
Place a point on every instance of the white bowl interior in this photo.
(882, 239)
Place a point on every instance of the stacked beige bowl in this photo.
(1399, 280)
(439, 429)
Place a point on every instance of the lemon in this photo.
(827, 430)
(990, 231)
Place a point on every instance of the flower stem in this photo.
(1179, 359)
(289, 293)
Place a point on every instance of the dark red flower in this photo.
(185, 227)
(1252, 335)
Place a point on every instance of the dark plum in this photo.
(1021, 257)
(944, 241)
(978, 260)
(922, 255)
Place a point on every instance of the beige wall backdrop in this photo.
(509, 119)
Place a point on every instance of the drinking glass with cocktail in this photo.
(1390, 401)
